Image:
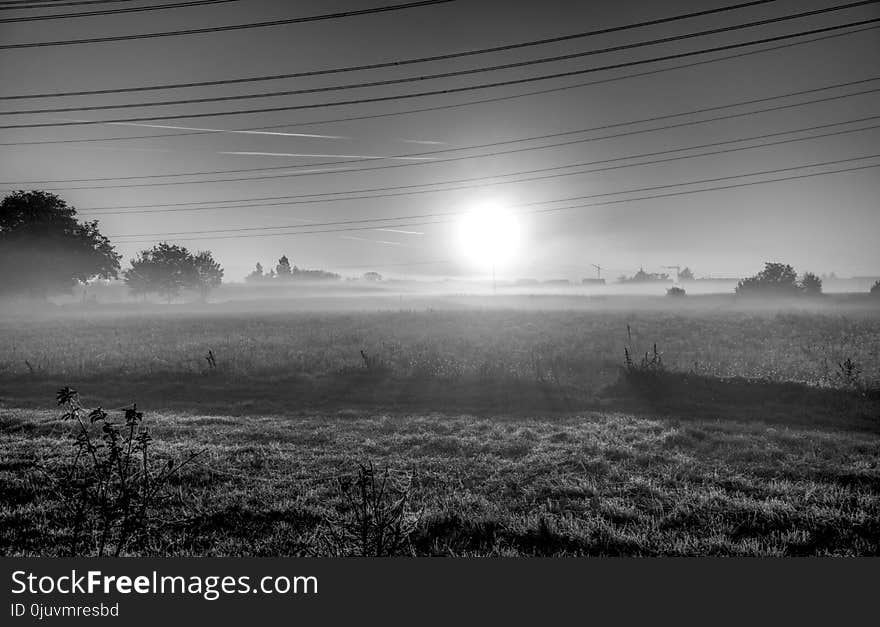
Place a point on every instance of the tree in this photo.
(811, 285)
(257, 275)
(776, 279)
(208, 273)
(686, 274)
(283, 268)
(300, 274)
(44, 249)
(166, 269)
(875, 289)
(141, 278)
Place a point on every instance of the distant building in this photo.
(593, 281)
(372, 276)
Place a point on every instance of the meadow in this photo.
(504, 431)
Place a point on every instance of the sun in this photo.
(488, 234)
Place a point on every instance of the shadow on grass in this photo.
(360, 389)
(638, 390)
(686, 396)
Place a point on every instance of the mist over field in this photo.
(540, 424)
(439, 278)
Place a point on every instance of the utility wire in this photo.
(722, 143)
(438, 91)
(448, 106)
(484, 181)
(565, 208)
(440, 214)
(475, 146)
(231, 27)
(153, 7)
(492, 144)
(441, 75)
(21, 5)
(387, 64)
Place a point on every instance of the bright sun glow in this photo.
(488, 235)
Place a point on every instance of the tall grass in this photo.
(566, 347)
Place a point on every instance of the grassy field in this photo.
(505, 432)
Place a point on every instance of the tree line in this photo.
(45, 250)
(284, 271)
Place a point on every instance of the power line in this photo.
(441, 75)
(153, 7)
(557, 209)
(457, 213)
(438, 91)
(711, 180)
(487, 145)
(231, 27)
(395, 63)
(395, 265)
(714, 189)
(449, 106)
(30, 4)
(483, 155)
(482, 181)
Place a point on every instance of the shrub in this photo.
(114, 489)
(875, 289)
(849, 374)
(377, 520)
(645, 372)
(676, 292)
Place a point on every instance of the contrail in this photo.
(210, 130)
(374, 241)
(400, 231)
(222, 130)
(118, 148)
(303, 154)
(426, 142)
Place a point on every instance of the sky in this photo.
(818, 223)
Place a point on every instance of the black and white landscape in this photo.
(439, 278)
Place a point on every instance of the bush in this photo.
(875, 289)
(677, 292)
(377, 520)
(645, 375)
(114, 489)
